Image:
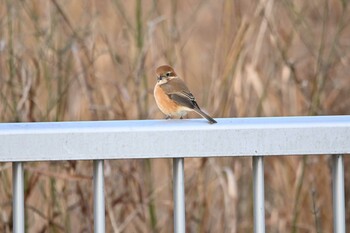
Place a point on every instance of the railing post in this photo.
(99, 201)
(18, 197)
(338, 194)
(258, 193)
(179, 195)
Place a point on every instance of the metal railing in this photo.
(177, 139)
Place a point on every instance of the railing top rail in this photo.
(91, 140)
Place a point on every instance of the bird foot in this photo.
(167, 117)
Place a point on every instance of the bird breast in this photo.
(167, 105)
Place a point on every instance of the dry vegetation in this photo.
(94, 60)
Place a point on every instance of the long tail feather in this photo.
(206, 116)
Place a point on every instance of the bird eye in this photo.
(168, 74)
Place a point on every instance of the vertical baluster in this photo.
(338, 194)
(258, 189)
(99, 201)
(18, 197)
(179, 195)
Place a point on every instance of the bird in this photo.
(173, 97)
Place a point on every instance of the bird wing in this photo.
(182, 100)
(177, 90)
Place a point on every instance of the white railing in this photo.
(177, 139)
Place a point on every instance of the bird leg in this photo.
(168, 117)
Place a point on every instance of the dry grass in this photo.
(95, 60)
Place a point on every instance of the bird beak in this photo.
(159, 78)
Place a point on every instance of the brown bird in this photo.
(173, 97)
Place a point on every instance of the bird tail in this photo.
(206, 116)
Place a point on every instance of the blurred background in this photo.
(63, 60)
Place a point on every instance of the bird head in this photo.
(164, 73)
